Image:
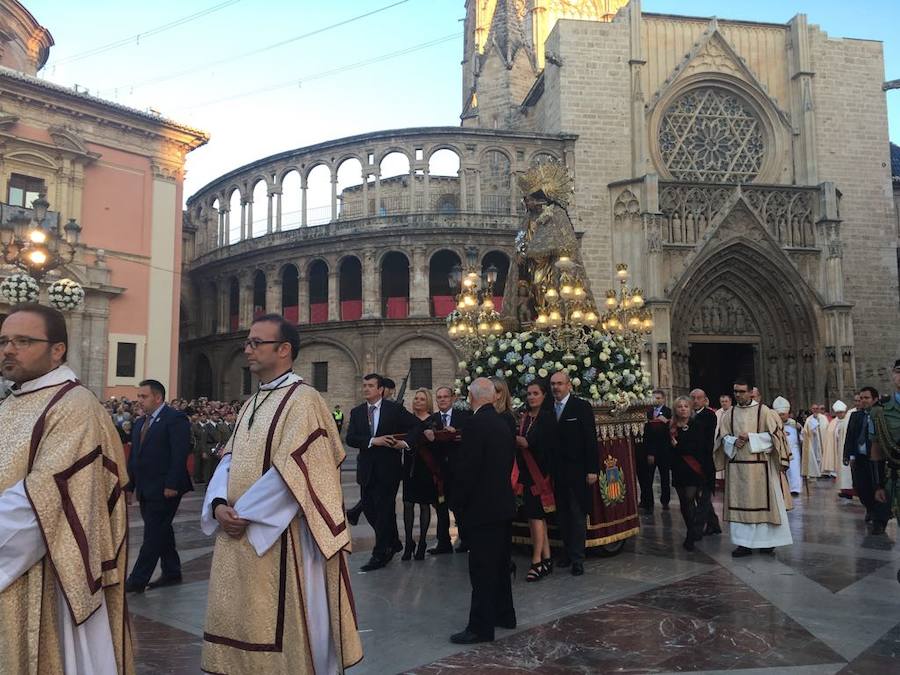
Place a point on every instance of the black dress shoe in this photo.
(353, 515)
(577, 569)
(741, 552)
(397, 547)
(509, 625)
(165, 581)
(440, 549)
(467, 637)
(373, 564)
(563, 562)
(711, 531)
(131, 587)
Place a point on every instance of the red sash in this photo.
(432, 465)
(541, 486)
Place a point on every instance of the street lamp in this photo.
(474, 321)
(28, 243)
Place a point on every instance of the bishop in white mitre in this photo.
(813, 443)
(833, 454)
(794, 435)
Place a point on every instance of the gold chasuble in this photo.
(753, 485)
(259, 620)
(60, 444)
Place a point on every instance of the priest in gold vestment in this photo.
(62, 511)
(753, 451)
(814, 443)
(279, 590)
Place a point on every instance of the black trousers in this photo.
(443, 524)
(490, 548)
(159, 541)
(379, 499)
(571, 518)
(866, 479)
(646, 473)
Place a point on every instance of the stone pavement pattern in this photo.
(828, 604)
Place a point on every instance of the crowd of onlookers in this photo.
(211, 426)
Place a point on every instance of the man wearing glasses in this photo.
(63, 517)
(279, 591)
(753, 451)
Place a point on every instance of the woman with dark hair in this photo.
(689, 468)
(536, 442)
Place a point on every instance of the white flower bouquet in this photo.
(606, 370)
(65, 294)
(20, 288)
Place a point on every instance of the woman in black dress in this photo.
(418, 479)
(536, 442)
(689, 468)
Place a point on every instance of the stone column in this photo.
(418, 284)
(426, 192)
(303, 203)
(273, 288)
(249, 219)
(377, 193)
(334, 313)
(277, 192)
(223, 292)
(226, 226)
(302, 292)
(365, 195)
(245, 286)
(370, 287)
(334, 196)
(270, 216)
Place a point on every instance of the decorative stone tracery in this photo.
(711, 135)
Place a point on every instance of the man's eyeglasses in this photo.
(19, 342)
(741, 391)
(254, 344)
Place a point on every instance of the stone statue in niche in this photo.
(524, 309)
(847, 365)
(831, 388)
(662, 364)
(791, 376)
(773, 379)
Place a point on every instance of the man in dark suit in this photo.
(447, 418)
(654, 453)
(158, 477)
(706, 418)
(575, 468)
(371, 430)
(868, 472)
(484, 500)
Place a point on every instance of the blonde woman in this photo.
(418, 476)
(503, 403)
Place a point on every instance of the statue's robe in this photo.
(63, 524)
(279, 596)
(813, 445)
(754, 503)
(833, 445)
(793, 433)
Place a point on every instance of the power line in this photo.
(327, 73)
(153, 31)
(254, 52)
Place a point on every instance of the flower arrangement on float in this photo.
(605, 369)
(20, 288)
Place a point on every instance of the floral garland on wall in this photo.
(605, 371)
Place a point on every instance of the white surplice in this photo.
(760, 535)
(86, 649)
(794, 473)
(270, 507)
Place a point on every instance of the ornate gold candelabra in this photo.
(475, 320)
(625, 313)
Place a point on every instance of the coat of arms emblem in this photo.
(612, 482)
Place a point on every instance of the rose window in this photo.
(711, 135)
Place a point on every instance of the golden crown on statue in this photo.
(551, 178)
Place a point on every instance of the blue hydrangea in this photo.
(528, 378)
(499, 373)
(590, 374)
(512, 358)
(619, 358)
(527, 360)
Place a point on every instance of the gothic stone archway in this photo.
(742, 291)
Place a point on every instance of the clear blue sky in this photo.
(255, 105)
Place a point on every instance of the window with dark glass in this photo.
(23, 190)
(420, 373)
(320, 375)
(126, 359)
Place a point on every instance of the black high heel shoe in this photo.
(536, 572)
(420, 550)
(548, 565)
(407, 552)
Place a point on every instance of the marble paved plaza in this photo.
(828, 604)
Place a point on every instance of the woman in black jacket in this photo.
(536, 442)
(690, 468)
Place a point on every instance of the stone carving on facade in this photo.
(790, 376)
(773, 376)
(711, 135)
(809, 374)
(662, 364)
(627, 206)
(653, 230)
(847, 366)
(831, 384)
(722, 313)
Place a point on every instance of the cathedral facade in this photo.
(740, 169)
